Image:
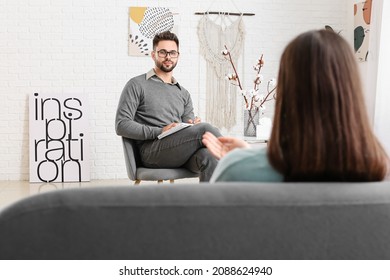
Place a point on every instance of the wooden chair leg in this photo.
(171, 181)
(137, 182)
(159, 181)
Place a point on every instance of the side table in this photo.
(253, 141)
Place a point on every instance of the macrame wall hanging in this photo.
(214, 34)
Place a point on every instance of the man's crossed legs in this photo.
(182, 149)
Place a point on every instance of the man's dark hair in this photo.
(165, 36)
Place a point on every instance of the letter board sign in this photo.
(59, 138)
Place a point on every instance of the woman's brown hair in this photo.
(321, 130)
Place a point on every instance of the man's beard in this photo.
(160, 65)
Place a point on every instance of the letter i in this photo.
(36, 106)
(81, 147)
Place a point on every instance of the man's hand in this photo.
(220, 146)
(169, 126)
(195, 121)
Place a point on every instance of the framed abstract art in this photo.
(362, 20)
(144, 23)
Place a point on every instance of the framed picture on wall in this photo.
(362, 20)
(144, 23)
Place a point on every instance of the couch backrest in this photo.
(202, 221)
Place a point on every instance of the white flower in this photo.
(229, 76)
(225, 52)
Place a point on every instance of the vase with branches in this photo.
(253, 98)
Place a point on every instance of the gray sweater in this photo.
(147, 104)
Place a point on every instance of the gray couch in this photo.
(202, 221)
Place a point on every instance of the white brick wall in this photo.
(52, 46)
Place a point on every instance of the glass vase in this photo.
(251, 120)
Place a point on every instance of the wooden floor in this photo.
(12, 191)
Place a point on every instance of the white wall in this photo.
(80, 46)
(382, 112)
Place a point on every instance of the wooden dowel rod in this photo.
(224, 13)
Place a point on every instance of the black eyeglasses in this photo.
(163, 53)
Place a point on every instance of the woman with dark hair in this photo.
(321, 130)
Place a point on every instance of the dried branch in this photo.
(258, 80)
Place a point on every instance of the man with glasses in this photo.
(155, 102)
